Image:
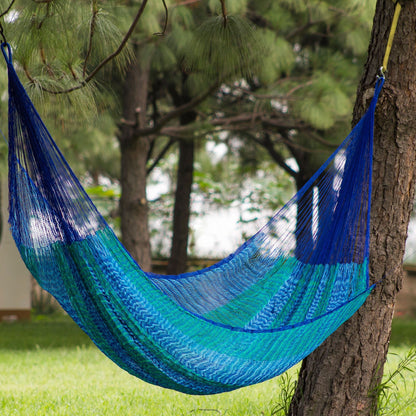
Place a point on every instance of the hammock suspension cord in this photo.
(393, 28)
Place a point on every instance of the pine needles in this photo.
(222, 50)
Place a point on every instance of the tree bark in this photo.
(182, 210)
(340, 376)
(134, 153)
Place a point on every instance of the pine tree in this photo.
(285, 58)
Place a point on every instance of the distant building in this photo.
(15, 281)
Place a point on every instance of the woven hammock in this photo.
(242, 321)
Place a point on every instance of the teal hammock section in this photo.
(242, 321)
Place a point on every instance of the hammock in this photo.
(244, 320)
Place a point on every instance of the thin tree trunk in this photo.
(340, 376)
(134, 151)
(182, 209)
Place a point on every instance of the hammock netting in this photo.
(244, 320)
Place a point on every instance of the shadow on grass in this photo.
(403, 332)
(42, 332)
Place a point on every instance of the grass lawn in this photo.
(49, 367)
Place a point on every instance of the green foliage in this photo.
(278, 59)
(196, 84)
(224, 49)
(298, 6)
(179, 40)
(389, 391)
(162, 57)
(152, 20)
(91, 147)
(230, 180)
(355, 40)
(107, 38)
(305, 53)
(181, 18)
(106, 198)
(296, 61)
(287, 387)
(57, 63)
(322, 101)
(55, 46)
(79, 105)
(277, 15)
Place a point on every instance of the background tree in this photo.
(272, 104)
(170, 87)
(302, 75)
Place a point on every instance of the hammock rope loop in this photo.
(7, 54)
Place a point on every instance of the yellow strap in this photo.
(391, 36)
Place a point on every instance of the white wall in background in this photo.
(15, 282)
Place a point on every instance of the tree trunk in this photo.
(340, 376)
(134, 152)
(182, 209)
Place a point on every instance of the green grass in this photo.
(403, 332)
(50, 367)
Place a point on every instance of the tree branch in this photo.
(224, 12)
(165, 25)
(177, 112)
(186, 2)
(122, 44)
(310, 23)
(276, 156)
(94, 8)
(240, 122)
(246, 122)
(8, 9)
(160, 156)
(104, 62)
(259, 118)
